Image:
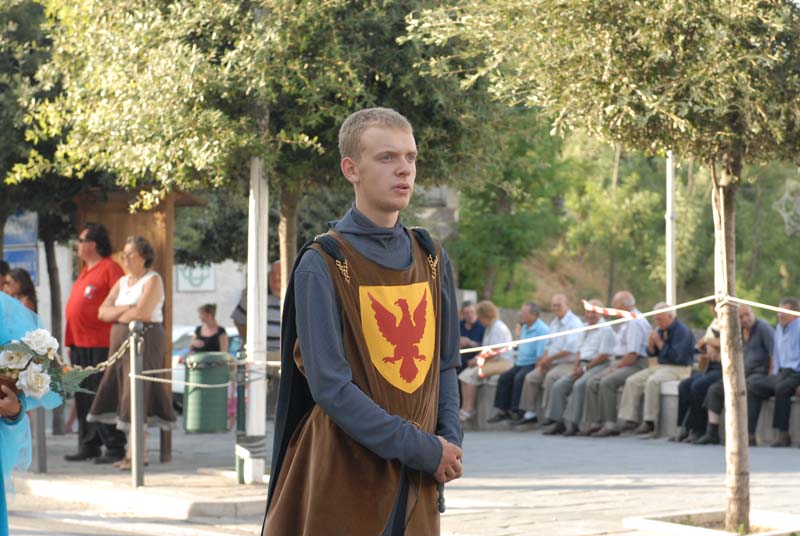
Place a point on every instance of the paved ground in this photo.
(516, 483)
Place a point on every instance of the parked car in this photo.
(181, 338)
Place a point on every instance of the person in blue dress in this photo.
(15, 430)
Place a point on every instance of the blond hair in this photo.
(354, 126)
(487, 310)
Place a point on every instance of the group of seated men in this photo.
(569, 383)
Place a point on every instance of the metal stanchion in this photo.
(137, 407)
(241, 368)
(40, 440)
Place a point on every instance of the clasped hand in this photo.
(450, 465)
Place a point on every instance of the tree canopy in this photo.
(706, 79)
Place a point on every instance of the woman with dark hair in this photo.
(136, 296)
(19, 285)
(209, 336)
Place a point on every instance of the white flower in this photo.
(41, 342)
(33, 381)
(13, 360)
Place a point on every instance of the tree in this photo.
(217, 231)
(182, 94)
(716, 81)
(516, 206)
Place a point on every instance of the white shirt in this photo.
(498, 333)
(565, 343)
(632, 336)
(131, 294)
(597, 342)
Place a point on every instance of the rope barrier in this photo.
(504, 346)
(485, 352)
(180, 382)
(763, 306)
(489, 351)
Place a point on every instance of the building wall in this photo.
(229, 278)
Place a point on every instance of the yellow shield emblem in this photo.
(400, 329)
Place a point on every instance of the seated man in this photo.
(631, 356)
(673, 343)
(692, 391)
(757, 340)
(554, 364)
(567, 397)
(471, 332)
(785, 379)
(509, 384)
(496, 332)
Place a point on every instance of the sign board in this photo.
(20, 238)
(22, 229)
(27, 258)
(195, 278)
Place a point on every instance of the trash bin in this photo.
(205, 410)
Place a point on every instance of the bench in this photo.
(484, 409)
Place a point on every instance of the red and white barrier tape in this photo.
(608, 311)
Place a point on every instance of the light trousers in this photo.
(568, 397)
(601, 394)
(647, 383)
(536, 390)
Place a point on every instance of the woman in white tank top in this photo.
(136, 296)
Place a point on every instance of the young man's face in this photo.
(384, 173)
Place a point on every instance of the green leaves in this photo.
(701, 78)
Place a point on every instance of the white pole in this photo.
(137, 444)
(671, 295)
(257, 273)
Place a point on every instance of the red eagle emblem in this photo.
(403, 335)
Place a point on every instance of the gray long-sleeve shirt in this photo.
(319, 329)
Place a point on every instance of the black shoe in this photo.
(680, 436)
(708, 439)
(82, 455)
(109, 457)
(555, 429)
(498, 417)
(548, 422)
(751, 440)
(691, 438)
(524, 421)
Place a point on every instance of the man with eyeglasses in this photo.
(87, 338)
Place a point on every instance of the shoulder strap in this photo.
(425, 240)
(330, 246)
(429, 246)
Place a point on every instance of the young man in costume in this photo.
(367, 424)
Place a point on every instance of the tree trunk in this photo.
(491, 278)
(511, 279)
(737, 466)
(612, 268)
(756, 237)
(55, 311)
(287, 234)
(3, 219)
(615, 173)
(612, 261)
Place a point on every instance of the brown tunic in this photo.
(328, 483)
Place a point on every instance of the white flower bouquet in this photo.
(30, 365)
